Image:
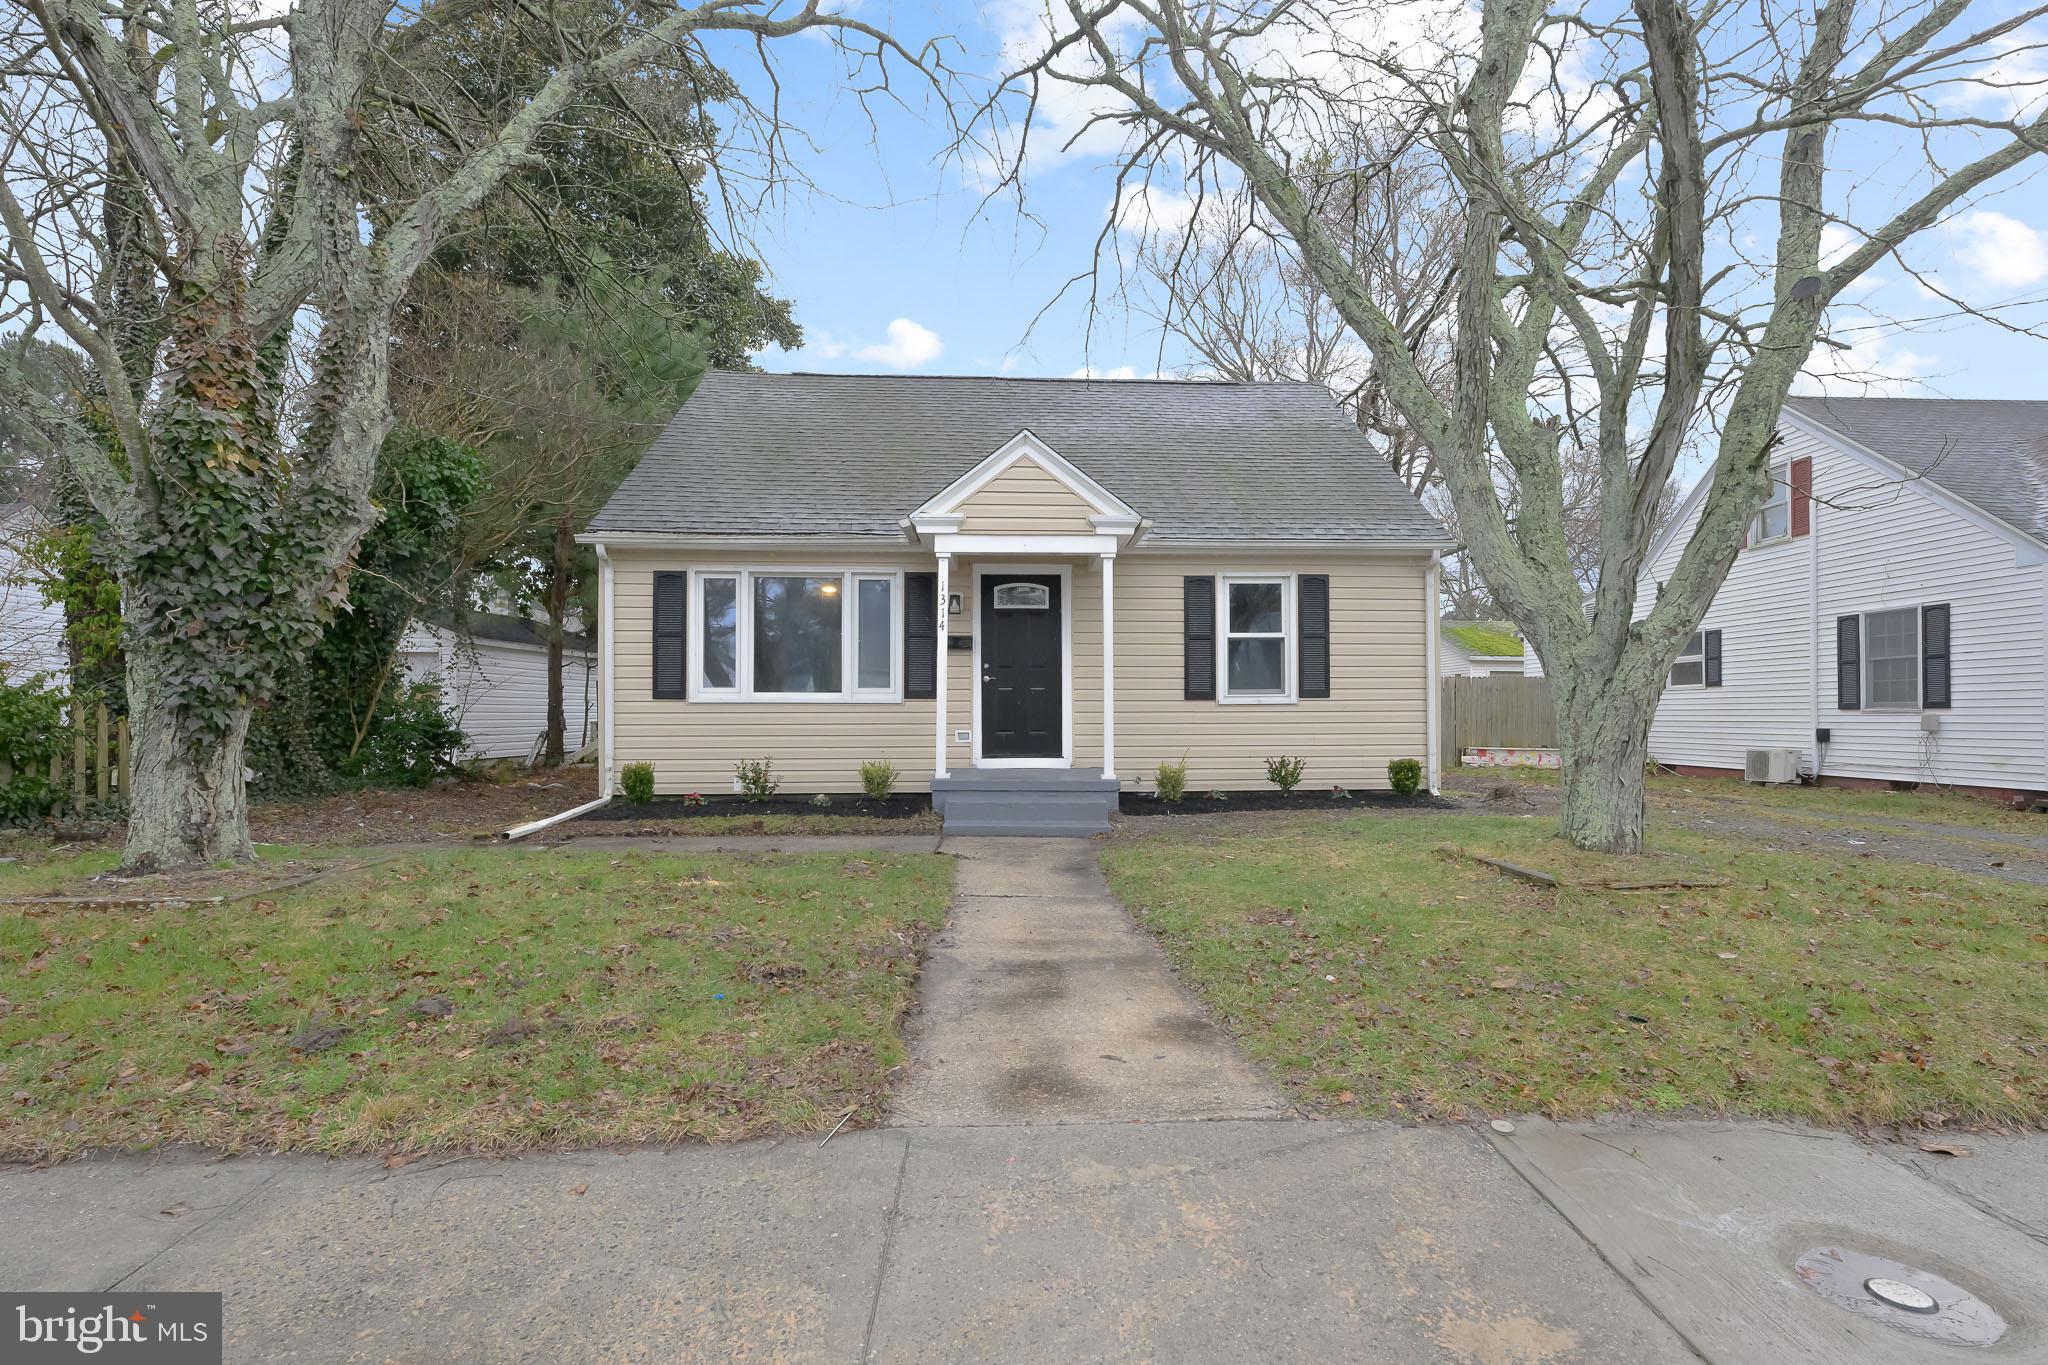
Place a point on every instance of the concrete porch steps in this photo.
(1035, 802)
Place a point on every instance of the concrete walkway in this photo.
(1043, 1003)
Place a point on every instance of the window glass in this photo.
(1257, 666)
(797, 633)
(1690, 669)
(1891, 643)
(721, 632)
(1774, 522)
(1255, 638)
(873, 643)
(1023, 597)
(1255, 608)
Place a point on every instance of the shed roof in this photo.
(852, 455)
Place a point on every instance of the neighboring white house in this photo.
(1480, 649)
(1888, 619)
(31, 629)
(493, 672)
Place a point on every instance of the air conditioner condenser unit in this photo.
(1771, 765)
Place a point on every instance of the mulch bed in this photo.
(1302, 800)
(727, 807)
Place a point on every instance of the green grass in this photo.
(1935, 807)
(1484, 638)
(1375, 974)
(596, 998)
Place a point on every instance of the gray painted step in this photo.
(1026, 801)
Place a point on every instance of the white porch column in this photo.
(939, 663)
(1109, 665)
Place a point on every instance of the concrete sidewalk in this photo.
(1041, 1002)
(1196, 1241)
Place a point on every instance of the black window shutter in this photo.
(1198, 638)
(920, 635)
(1848, 663)
(671, 633)
(1934, 669)
(1312, 607)
(1712, 645)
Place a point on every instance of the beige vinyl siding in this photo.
(1376, 711)
(1025, 500)
(693, 745)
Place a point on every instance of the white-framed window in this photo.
(1255, 643)
(1689, 669)
(1891, 659)
(796, 635)
(1774, 519)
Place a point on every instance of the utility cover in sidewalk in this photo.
(1915, 1301)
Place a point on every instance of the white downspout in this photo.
(1432, 685)
(604, 724)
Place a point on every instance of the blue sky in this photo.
(895, 265)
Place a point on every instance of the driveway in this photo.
(1042, 1003)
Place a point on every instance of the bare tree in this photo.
(183, 184)
(1643, 194)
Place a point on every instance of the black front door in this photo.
(1023, 697)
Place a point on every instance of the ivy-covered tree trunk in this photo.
(188, 806)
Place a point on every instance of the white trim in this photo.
(1432, 620)
(663, 540)
(1024, 445)
(849, 693)
(1102, 543)
(1917, 611)
(1700, 686)
(943, 647)
(607, 634)
(1066, 576)
(1410, 549)
(1754, 538)
(1109, 666)
(1289, 636)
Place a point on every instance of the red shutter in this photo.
(1802, 496)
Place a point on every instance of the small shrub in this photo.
(821, 800)
(637, 781)
(757, 778)
(413, 744)
(1340, 793)
(694, 799)
(878, 778)
(1218, 796)
(31, 731)
(1285, 773)
(1172, 780)
(1404, 775)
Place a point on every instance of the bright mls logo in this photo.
(165, 1329)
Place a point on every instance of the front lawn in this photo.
(1376, 974)
(485, 1001)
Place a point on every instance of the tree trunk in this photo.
(558, 610)
(188, 807)
(1603, 733)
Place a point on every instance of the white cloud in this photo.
(2000, 248)
(1114, 372)
(909, 346)
(1873, 365)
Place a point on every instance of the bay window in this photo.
(797, 635)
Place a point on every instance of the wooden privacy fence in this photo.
(1501, 711)
(94, 765)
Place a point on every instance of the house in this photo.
(493, 673)
(1888, 618)
(31, 627)
(1121, 574)
(1481, 649)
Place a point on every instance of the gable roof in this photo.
(1992, 453)
(854, 455)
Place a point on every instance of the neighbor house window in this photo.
(811, 636)
(1257, 637)
(1774, 522)
(1690, 668)
(1891, 658)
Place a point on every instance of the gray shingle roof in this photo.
(852, 455)
(1991, 452)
